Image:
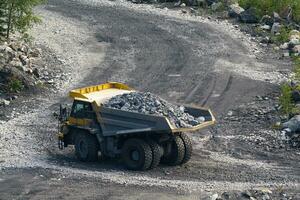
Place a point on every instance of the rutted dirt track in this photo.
(192, 61)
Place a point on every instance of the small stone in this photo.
(248, 16)
(286, 54)
(214, 197)
(216, 6)
(265, 40)
(265, 197)
(284, 46)
(201, 119)
(17, 64)
(296, 49)
(183, 5)
(177, 3)
(275, 28)
(235, 10)
(230, 113)
(266, 19)
(5, 102)
(276, 17)
(265, 27)
(266, 191)
(246, 194)
(276, 48)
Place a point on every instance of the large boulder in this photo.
(235, 10)
(293, 124)
(249, 16)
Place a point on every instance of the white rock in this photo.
(294, 41)
(296, 49)
(5, 102)
(275, 28)
(235, 10)
(284, 46)
(286, 54)
(265, 27)
(214, 196)
(293, 124)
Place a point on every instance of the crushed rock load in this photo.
(148, 103)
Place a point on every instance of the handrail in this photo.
(81, 92)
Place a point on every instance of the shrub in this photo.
(283, 36)
(286, 101)
(267, 7)
(15, 85)
(17, 15)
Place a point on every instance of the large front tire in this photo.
(137, 154)
(86, 147)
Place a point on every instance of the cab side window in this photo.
(81, 109)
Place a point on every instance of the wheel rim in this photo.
(135, 155)
(83, 148)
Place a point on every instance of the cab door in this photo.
(82, 114)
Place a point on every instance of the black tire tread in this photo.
(156, 153)
(188, 148)
(177, 154)
(147, 151)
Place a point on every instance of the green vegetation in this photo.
(282, 37)
(267, 7)
(286, 102)
(15, 85)
(17, 15)
(297, 70)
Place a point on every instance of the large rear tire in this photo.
(156, 153)
(137, 154)
(86, 147)
(175, 157)
(188, 148)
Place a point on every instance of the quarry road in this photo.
(183, 59)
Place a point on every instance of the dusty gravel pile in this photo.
(148, 103)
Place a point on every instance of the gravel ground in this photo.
(181, 58)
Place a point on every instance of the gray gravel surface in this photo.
(181, 58)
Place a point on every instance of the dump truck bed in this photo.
(118, 122)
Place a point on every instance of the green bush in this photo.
(267, 7)
(286, 101)
(283, 36)
(15, 85)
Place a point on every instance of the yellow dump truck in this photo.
(142, 141)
